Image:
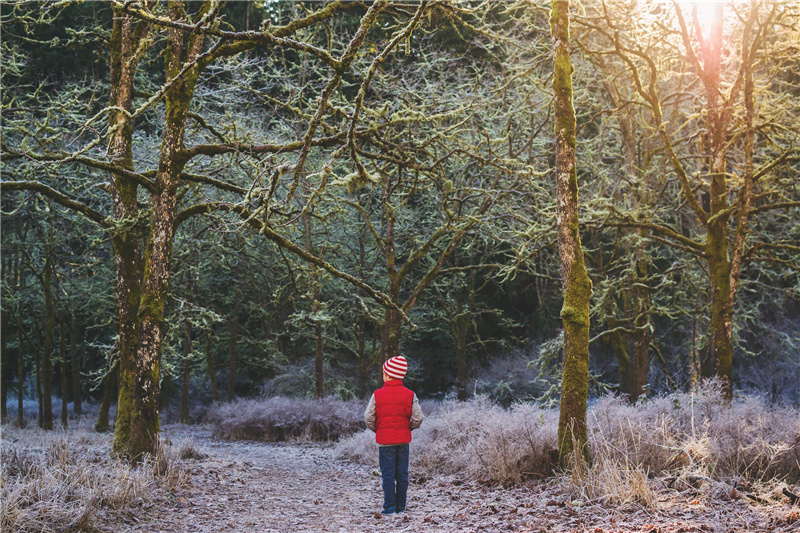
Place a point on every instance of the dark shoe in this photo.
(398, 511)
(390, 510)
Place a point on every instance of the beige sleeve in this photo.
(416, 413)
(369, 414)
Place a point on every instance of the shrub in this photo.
(683, 434)
(699, 430)
(476, 438)
(279, 419)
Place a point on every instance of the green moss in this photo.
(152, 306)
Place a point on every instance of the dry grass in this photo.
(476, 438)
(66, 481)
(280, 419)
(699, 431)
(694, 439)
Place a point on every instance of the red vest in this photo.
(393, 413)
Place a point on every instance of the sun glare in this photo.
(705, 12)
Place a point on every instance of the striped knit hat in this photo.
(396, 367)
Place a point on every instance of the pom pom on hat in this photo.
(396, 367)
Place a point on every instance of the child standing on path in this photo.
(393, 411)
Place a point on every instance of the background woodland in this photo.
(239, 199)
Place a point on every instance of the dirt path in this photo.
(258, 487)
(285, 488)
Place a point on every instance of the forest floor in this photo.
(292, 487)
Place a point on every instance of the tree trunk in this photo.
(641, 321)
(233, 350)
(20, 353)
(187, 350)
(62, 353)
(577, 287)
(390, 332)
(361, 337)
(716, 237)
(210, 366)
(77, 407)
(47, 357)
(4, 364)
(145, 424)
(318, 374)
(461, 327)
(7, 272)
(124, 41)
(109, 393)
(39, 391)
(165, 394)
(632, 349)
(315, 309)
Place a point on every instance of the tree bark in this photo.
(187, 350)
(316, 307)
(62, 353)
(4, 364)
(460, 330)
(109, 393)
(20, 353)
(77, 407)
(233, 350)
(390, 331)
(46, 422)
(145, 424)
(577, 287)
(212, 377)
(39, 391)
(125, 38)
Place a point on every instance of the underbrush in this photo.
(477, 438)
(67, 481)
(690, 439)
(280, 419)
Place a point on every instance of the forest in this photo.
(579, 222)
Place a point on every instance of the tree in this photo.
(731, 189)
(144, 268)
(577, 287)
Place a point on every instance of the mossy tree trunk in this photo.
(641, 322)
(181, 51)
(577, 287)
(390, 329)
(316, 308)
(717, 122)
(126, 35)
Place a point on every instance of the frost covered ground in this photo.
(261, 487)
(468, 462)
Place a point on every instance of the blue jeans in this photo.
(394, 470)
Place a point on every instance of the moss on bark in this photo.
(577, 287)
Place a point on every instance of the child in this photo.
(393, 411)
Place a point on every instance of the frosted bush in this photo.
(476, 438)
(279, 419)
(694, 433)
(699, 430)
